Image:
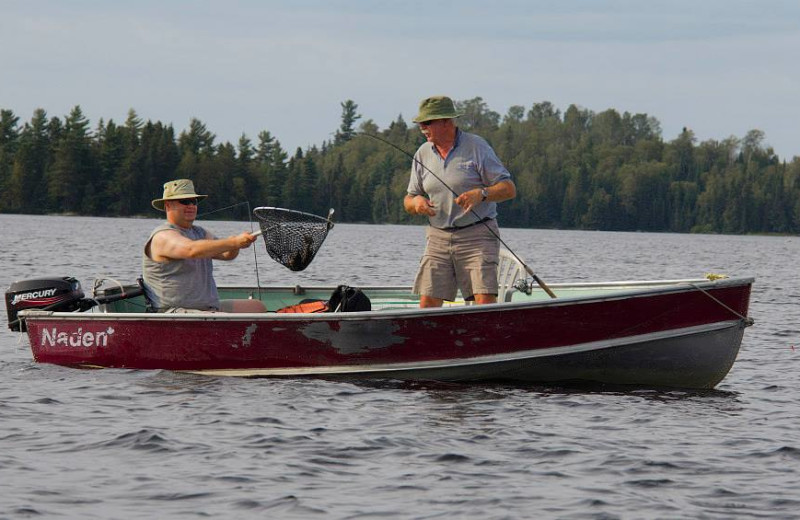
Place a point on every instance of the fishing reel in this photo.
(524, 285)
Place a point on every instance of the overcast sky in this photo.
(718, 67)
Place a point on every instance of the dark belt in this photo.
(456, 228)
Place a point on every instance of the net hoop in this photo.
(262, 212)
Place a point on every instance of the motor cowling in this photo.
(52, 294)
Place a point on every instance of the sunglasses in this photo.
(188, 202)
(427, 123)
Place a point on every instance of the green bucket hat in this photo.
(176, 190)
(436, 107)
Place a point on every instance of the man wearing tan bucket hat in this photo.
(177, 261)
(462, 248)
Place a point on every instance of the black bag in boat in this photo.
(348, 299)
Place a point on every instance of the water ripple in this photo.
(158, 444)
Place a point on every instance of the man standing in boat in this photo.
(456, 181)
(177, 261)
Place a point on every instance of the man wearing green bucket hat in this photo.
(456, 181)
(177, 258)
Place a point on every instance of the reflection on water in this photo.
(157, 444)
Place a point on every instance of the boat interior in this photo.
(513, 282)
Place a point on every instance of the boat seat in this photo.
(509, 270)
(242, 305)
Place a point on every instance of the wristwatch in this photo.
(484, 194)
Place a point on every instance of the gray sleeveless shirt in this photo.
(187, 284)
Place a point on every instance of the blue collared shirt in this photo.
(470, 164)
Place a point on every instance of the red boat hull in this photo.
(645, 337)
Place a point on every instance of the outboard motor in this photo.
(52, 294)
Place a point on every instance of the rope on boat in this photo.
(99, 281)
(747, 320)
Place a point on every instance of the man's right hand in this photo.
(423, 206)
(243, 240)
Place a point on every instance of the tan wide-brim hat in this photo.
(176, 190)
(436, 107)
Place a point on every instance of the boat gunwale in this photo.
(644, 289)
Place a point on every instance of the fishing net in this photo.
(292, 237)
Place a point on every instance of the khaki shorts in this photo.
(463, 259)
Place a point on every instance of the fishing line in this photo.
(247, 203)
(528, 269)
(250, 218)
(255, 256)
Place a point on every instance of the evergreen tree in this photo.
(247, 185)
(225, 179)
(68, 176)
(292, 192)
(110, 150)
(278, 168)
(26, 191)
(577, 169)
(477, 116)
(197, 139)
(681, 152)
(9, 137)
(397, 131)
(266, 143)
(162, 157)
(349, 117)
(311, 201)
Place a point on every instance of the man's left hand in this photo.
(469, 199)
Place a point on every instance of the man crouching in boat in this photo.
(176, 265)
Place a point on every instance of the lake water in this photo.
(153, 444)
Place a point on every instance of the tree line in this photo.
(573, 170)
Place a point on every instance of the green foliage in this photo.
(70, 174)
(576, 169)
(9, 143)
(349, 117)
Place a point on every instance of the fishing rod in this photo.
(528, 269)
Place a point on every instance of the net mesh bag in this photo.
(292, 237)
